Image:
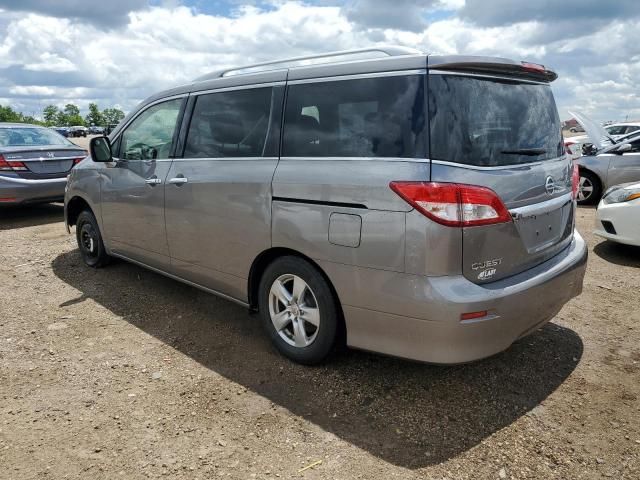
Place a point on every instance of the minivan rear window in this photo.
(369, 117)
(492, 122)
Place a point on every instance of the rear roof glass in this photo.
(492, 122)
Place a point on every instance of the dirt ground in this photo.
(123, 373)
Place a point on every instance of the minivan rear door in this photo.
(503, 132)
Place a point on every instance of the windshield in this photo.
(492, 122)
(30, 136)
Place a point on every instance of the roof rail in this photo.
(390, 51)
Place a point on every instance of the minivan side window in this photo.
(368, 117)
(150, 135)
(229, 124)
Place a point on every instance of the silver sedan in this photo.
(34, 163)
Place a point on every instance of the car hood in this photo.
(596, 132)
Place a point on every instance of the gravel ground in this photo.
(123, 373)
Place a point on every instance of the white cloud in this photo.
(45, 59)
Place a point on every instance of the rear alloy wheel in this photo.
(589, 189)
(298, 310)
(90, 241)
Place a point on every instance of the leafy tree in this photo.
(94, 117)
(112, 116)
(8, 114)
(72, 114)
(50, 115)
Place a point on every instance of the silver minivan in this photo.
(415, 205)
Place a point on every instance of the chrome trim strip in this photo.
(368, 159)
(541, 207)
(175, 277)
(223, 159)
(391, 73)
(248, 86)
(48, 159)
(26, 181)
(497, 167)
(433, 71)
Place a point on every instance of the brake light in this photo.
(454, 204)
(575, 180)
(11, 165)
(77, 160)
(533, 67)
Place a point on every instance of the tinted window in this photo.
(150, 135)
(491, 122)
(229, 124)
(373, 117)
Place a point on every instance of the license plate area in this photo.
(540, 231)
(49, 166)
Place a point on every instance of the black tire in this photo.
(90, 241)
(325, 334)
(596, 192)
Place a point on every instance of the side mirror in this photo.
(100, 149)
(625, 147)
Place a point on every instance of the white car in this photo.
(616, 131)
(618, 214)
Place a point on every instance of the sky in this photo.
(118, 52)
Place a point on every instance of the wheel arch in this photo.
(73, 208)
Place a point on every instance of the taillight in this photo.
(454, 204)
(11, 165)
(77, 160)
(575, 180)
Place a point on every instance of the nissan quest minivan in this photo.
(415, 205)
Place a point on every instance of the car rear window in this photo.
(492, 122)
(369, 117)
(30, 136)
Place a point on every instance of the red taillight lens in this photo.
(575, 180)
(454, 204)
(77, 160)
(11, 165)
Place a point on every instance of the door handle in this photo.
(178, 180)
(153, 181)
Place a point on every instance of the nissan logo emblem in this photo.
(550, 185)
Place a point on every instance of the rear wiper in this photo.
(525, 151)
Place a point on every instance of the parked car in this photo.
(413, 218)
(64, 131)
(605, 162)
(618, 214)
(575, 145)
(77, 131)
(95, 130)
(578, 146)
(34, 163)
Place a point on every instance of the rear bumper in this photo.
(15, 190)
(419, 317)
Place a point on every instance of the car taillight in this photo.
(454, 204)
(575, 180)
(77, 160)
(11, 165)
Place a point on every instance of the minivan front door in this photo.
(133, 186)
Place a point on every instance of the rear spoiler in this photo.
(491, 66)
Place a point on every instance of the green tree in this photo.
(8, 114)
(112, 116)
(50, 115)
(72, 114)
(94, 117)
